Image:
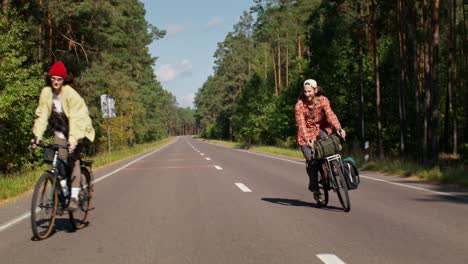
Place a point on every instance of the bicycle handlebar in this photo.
(52, 146)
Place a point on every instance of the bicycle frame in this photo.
(328, 160)
(57, 177)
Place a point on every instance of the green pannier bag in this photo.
(327, 147)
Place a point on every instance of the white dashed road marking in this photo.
(330, 259)
(208, 159)
(243, 187)
(218, 168)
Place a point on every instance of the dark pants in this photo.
(313, 166)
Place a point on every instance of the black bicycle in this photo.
(52, 193)
(333, 179)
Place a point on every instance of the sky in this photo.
(194, 28)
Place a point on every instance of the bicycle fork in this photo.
(330, 169)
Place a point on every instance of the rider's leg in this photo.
(63, 154)
(312, 172)
(76, 171)
(311, 168)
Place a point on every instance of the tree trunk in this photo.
(435, 115)
(287, 59)
(416, 80)
(427, 78)
(40, 38)
(454, 76)
(299, 51)
(274, 72)
(50, 58)
(361, 75)
(266, 65)
(463, 81)
(280, 84)
(372, 8)
(450, 78)
(401, 16)
(5, 12)
(250, 61)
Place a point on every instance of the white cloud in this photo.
(169, 72)
(188, 100)
(175, 28)
(215, 21)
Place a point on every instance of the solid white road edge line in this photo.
(243, 187)
(330, 259)
(26, 215)
(413, 187)
(362, 176)
(14, 221)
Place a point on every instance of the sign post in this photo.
(108, 111)
(366, 151)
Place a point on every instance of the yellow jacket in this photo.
(74, 107)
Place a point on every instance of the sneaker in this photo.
(73, 205)
(318, 197)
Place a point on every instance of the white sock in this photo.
(74, 192)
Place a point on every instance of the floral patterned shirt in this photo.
(310, 118)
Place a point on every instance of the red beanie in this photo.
(58, 69)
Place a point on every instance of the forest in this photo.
(104, 45)
(395, 73)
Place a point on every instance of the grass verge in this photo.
(18, 184)
(448, 175)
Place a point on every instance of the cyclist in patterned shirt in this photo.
(314, 120)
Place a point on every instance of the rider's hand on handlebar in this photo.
(342, 133)
(71, 148)
(34, 143)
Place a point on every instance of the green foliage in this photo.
(104, 45)
(18, 94)
(331, 36)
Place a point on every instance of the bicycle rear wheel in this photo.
(341, 188)
(323, 189)
(80, 217)
(44, 206)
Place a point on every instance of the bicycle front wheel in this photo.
(341, 188)
(80, 217)
(44, 206)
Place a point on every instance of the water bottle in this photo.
(63, 183)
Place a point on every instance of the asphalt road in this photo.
(195, 202)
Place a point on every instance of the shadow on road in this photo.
(290, 202)
(295, 202)
(61, 225)
(445, 198)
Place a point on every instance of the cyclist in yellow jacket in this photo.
(65, 112)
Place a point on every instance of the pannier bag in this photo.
(351, 173)
(327, 146)
(49, 155)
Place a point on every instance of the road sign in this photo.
(107, 106)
